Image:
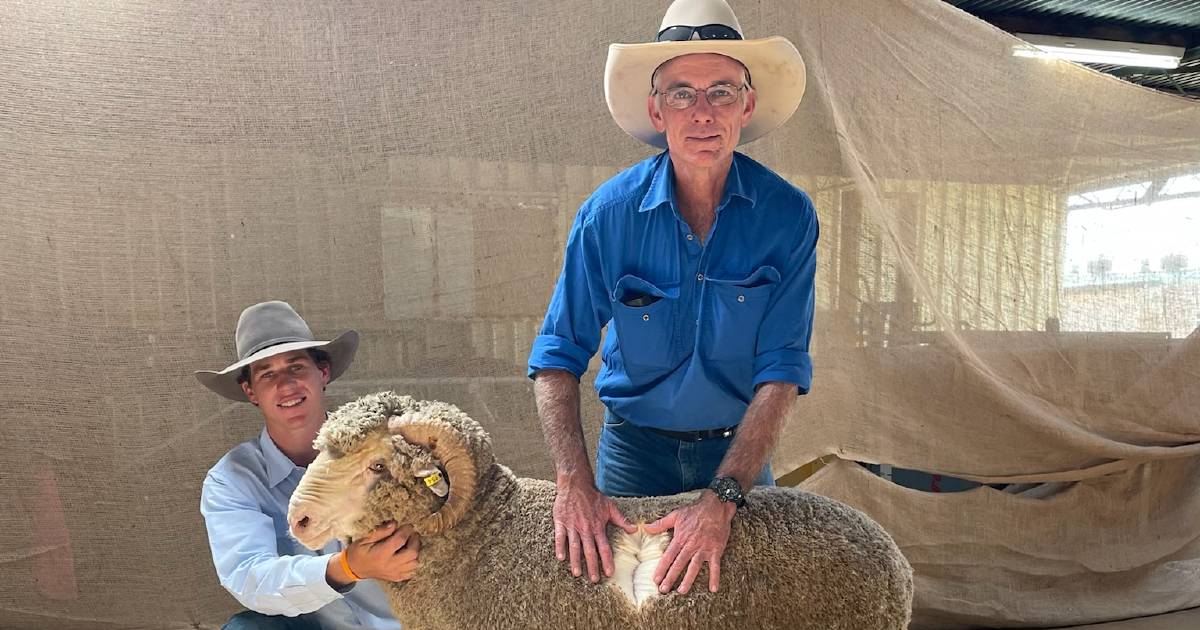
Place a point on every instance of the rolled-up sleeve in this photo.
(579, 307)
(246, 556)
(783, 338)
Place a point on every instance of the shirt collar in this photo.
(279, 467)
(662, 184)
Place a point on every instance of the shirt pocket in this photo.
(643, 315)
(736, 313)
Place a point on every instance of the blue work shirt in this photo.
(692, 328)
(245, 502)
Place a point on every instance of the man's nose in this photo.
(702, 111)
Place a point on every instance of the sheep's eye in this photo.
(378, 467)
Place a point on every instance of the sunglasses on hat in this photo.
(708, 31)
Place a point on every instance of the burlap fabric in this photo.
(410, 169)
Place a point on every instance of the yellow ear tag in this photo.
(432, 479)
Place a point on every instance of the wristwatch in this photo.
(728, 490)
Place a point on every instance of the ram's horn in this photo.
(449, 447)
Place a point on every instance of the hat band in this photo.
(708, 31)
(271, 342)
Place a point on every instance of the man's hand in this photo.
(388, 553)
(581, 515)
(701, 533)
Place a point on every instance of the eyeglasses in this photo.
(708, 31)
(683, 97)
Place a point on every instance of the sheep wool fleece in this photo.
(794, 560)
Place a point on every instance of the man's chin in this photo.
(302, 419)
(704, 155)
(298, 417)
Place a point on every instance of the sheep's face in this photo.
(346, 495)
(389, 457)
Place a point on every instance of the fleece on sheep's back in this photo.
(794, 559)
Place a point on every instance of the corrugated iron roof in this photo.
(1172, 22)
(1185, 81)
(1170, 13)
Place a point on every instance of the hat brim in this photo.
(775, 66)
(341, 352)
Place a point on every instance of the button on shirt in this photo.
(244, 502)
(694, 324)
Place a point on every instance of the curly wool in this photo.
(349, 428)
(794, 560)
(353, 423)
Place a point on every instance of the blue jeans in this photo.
(250, 620)
(635, 462)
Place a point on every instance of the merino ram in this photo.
(794, 559)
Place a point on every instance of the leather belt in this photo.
(696, 436)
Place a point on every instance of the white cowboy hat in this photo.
(270, 328)
(775, 66)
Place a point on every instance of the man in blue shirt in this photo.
(283, 371)
(700, 261)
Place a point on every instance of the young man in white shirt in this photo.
(283, 370)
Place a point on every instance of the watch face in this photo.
(727, 489)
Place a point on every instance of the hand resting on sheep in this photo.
(794, 559)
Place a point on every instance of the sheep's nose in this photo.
(299, 525)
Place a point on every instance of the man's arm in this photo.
(702, 528)
(246, 557)
(581, 513)
(758, 433)
(557, 395)
(247, 560)
(570, 334)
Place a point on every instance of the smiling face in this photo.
(289, 389)
(702, 135)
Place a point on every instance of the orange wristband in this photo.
(346, 566)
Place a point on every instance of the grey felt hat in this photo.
(270, 328)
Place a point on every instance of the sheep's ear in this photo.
(450, 448)
(434, 480)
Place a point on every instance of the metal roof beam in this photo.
(1075, 26)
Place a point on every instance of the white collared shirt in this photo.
(244, 502)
